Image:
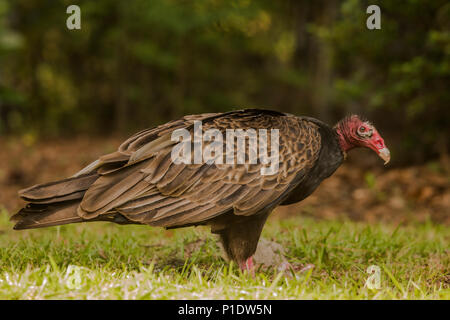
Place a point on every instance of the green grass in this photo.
(139, 262)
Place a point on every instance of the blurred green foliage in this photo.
(138, 63)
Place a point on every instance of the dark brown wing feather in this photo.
(151, 189)
(141, 182)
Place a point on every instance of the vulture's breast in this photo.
(330, 158)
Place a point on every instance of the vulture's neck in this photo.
(342, 132)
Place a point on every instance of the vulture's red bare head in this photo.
(355, 132)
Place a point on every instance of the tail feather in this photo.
(53, 203)
(71, 196)
(39, 216)
(57, 191)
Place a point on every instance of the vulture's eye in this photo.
(364, 132)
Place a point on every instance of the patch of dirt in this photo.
(270, 254)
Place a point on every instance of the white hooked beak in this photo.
(385, 154)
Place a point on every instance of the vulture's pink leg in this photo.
(248, 265)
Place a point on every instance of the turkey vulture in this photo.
(141, 184)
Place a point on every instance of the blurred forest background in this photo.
(138, 63)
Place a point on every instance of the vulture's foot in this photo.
(248, 266)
